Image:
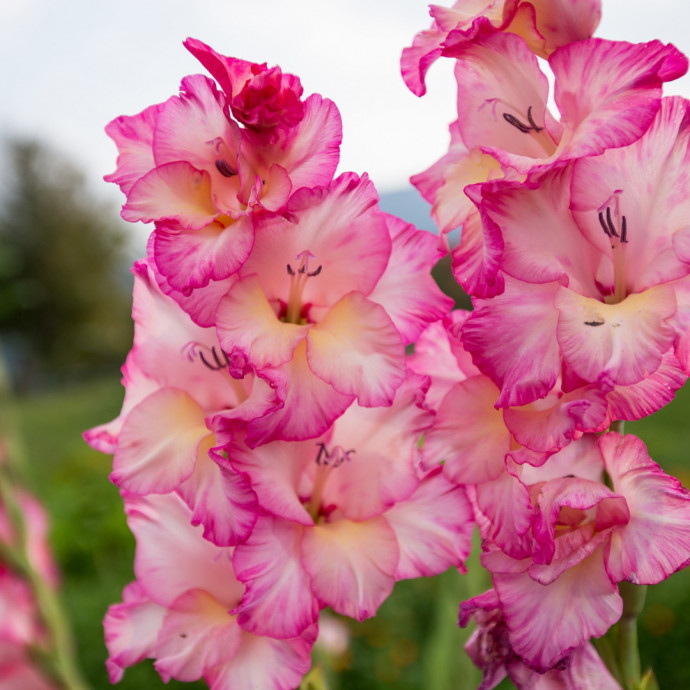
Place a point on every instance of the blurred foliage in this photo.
(443, 275)
(65, 294)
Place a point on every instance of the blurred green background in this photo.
(65, 328)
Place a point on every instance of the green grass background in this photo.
(412, 643)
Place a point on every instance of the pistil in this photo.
(314, 505)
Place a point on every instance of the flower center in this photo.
(212, 358)
(299, 274)
(524, 122)
(326, 462)
(224, 168)
(225, 159)
(521, 126)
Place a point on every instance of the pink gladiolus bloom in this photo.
(176, 612)
(654, 543)
(305, 306)
(22, 629)
(37, 546)
(489, 648)
(474, 451)
(584, 539)
(440, 355)
(176, 376)
(18, 671)
(259, 97)
(197, 173)
(544, 24)
(502, 97)
(604, 306)
(346, 515)
(505, 127)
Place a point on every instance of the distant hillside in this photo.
(409, 205)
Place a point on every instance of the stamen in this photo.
(531, 121)
(609, 227)
(603, 224)
(224, 168)
(326, 463)
(322, 452)
(290, 270)
(609, 222)
(512, 120)
(218, 363)
(617, 232)
(193, 350)
(323, 458)
(525, 129)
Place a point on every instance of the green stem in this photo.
(628, 652)
(607, 651)
(619, 426)
(314, 680)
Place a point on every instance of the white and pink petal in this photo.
(247, 322)
(351, 564)
(406, 289)
(133, 136)
(172, 556)
(310, 405)
(158, 444)
(586, 600)
(615, 343)
(264, 662)
(197, 634)
(174, 191)
(189, 259)
(511, 339)
(131, 630)
(357, 349)
(656, 541)
(474, 451)
(278, 601)
(433, 528)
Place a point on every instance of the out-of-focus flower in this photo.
(22, 629)
(176, 612)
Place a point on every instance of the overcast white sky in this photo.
(70, 66)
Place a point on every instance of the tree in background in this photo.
(64, 306)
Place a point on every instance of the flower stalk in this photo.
(628, 651)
